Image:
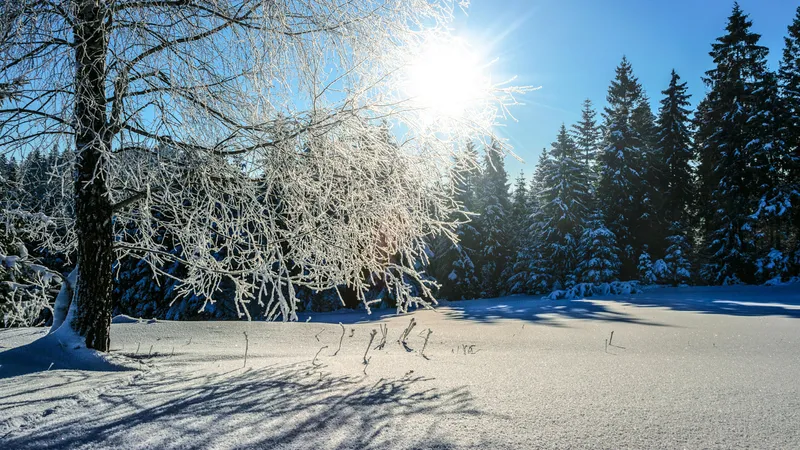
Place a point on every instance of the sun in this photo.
(447, 79)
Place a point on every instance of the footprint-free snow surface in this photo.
(685, 368)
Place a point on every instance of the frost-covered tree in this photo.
(519, 223)
(789, 81)
(621, 163)
(587, 137)
(172, 108)
(453, 264)
(677, 259)
(647, 274)
(494, 206)
(676, 151)
(564, 203)
(598, 252)
(737, 152)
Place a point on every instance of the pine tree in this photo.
(677, 189)
(650, 228)
(530, 273)
(675, 149)
(736, 146)
(460, 279)
(677, 258)
(621, 165)
(493, 205)
(518, 227)
(598, 253)
(646, 272)
(586, 135)
(564, 199)
(789, 81)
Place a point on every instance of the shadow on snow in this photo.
(290, 406)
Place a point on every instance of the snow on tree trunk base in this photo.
(62, 347)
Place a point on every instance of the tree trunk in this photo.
(93, 207)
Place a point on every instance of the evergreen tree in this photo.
(789, 80)
(735, 150)
(564, 199)
(677, 178)
(679, 250)
(518, 227)
(586, 135)
(646, 273)
(675, 149)
(456, 270)
(598, 252)
(530, 273)
(621, 165)
(493, 205)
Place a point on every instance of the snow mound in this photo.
(122, 318)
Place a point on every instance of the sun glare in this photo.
(447, 79)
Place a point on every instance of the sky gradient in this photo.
(570, 49)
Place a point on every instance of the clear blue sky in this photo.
(571, 47)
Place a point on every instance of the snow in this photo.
(687, 368)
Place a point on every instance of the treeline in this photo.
(681, 197)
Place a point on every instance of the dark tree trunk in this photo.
(93, 208)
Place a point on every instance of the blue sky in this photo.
(571, 47)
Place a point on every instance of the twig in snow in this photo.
(611, 338)
(371, 338)
(314, 361)
(606, 345)
(340, 340)
(137, 348)
(352, 332)
(151, 351)
(246, 348)
(173, 351)
(316, 336)
(422, 352)
(384, 330)
(190, 341)
(405, 334)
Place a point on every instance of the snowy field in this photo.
(686, 368)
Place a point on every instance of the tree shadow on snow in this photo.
(292, 406)
(726, 300)
(537, 310)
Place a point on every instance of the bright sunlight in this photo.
(447, 79)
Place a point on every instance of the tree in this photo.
(736, 149)
(675, 150)
(621, 164)
(518, 227)
(170, 107)
(454, 264)
(789, 81)
(586, 135)
(494, 206)
(598, 252)
(564, 199)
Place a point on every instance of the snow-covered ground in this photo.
(686, 368)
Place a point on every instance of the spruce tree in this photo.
(493, 205)
(621, 165)
(586, 135)
(564, 199)
(518, 227)
(531, 273)
(462, 278)
(677, 178)
(598, 252)
(789, 80)
(737, 147)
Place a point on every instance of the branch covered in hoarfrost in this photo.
(257, 142)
